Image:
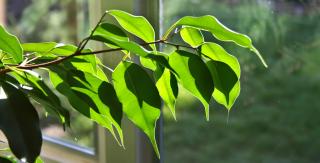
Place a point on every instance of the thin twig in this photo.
(61, 59)
(178, 45)
(79, 52)
(86, 40)
(31, 60)
(106, 67)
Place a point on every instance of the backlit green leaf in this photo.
(42, 47)
(87, 63)
(126, 45)
(110, 30)
(161, 59)
(139, 96)
(193, 75)
(151, 60)
(225, 71)
(39, 160)
(51, 49)
(227, 85)
(90, 96)
(10, 45)
(63, 50)
(168, 88)
(221, 32)
(137, 25)
(148, 63)
(217, 53)
(192, 36)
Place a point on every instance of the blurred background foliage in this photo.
(276, 118)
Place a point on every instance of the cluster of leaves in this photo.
(203, 68)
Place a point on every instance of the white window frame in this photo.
(2, 12)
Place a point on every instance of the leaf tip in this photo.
(207, 116)
(260, 56)
(175, 118)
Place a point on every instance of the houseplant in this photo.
(205, 69)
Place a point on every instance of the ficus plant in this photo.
(45, 72)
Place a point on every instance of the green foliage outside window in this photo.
(203, 68)
(276, 105)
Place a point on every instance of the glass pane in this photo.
(276, 118)
(59, 21)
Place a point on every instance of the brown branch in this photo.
(77, 53)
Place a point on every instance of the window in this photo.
(275, 118)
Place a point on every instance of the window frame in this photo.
(2, 12)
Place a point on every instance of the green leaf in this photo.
(156, 58)
(221, 32)
(225, 71)
(19, 121)
(168, 88)
(126, 45)
(39, 160)
(51, 48)
(92, 59)
(217, 53)
(227, 85)
(63, 49)
(151, 60)
(87, 63)
(148, 63)
(192, 36)
(161, 59)
(110, 30)
(11, 45)
(137, 25)
(42, 47)
(91, 96)
(42, 93)
(139, 96)
(193, 75)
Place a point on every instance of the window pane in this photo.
(59, 21)
(276, 118)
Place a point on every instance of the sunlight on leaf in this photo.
(193, 74)
(140, 98)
